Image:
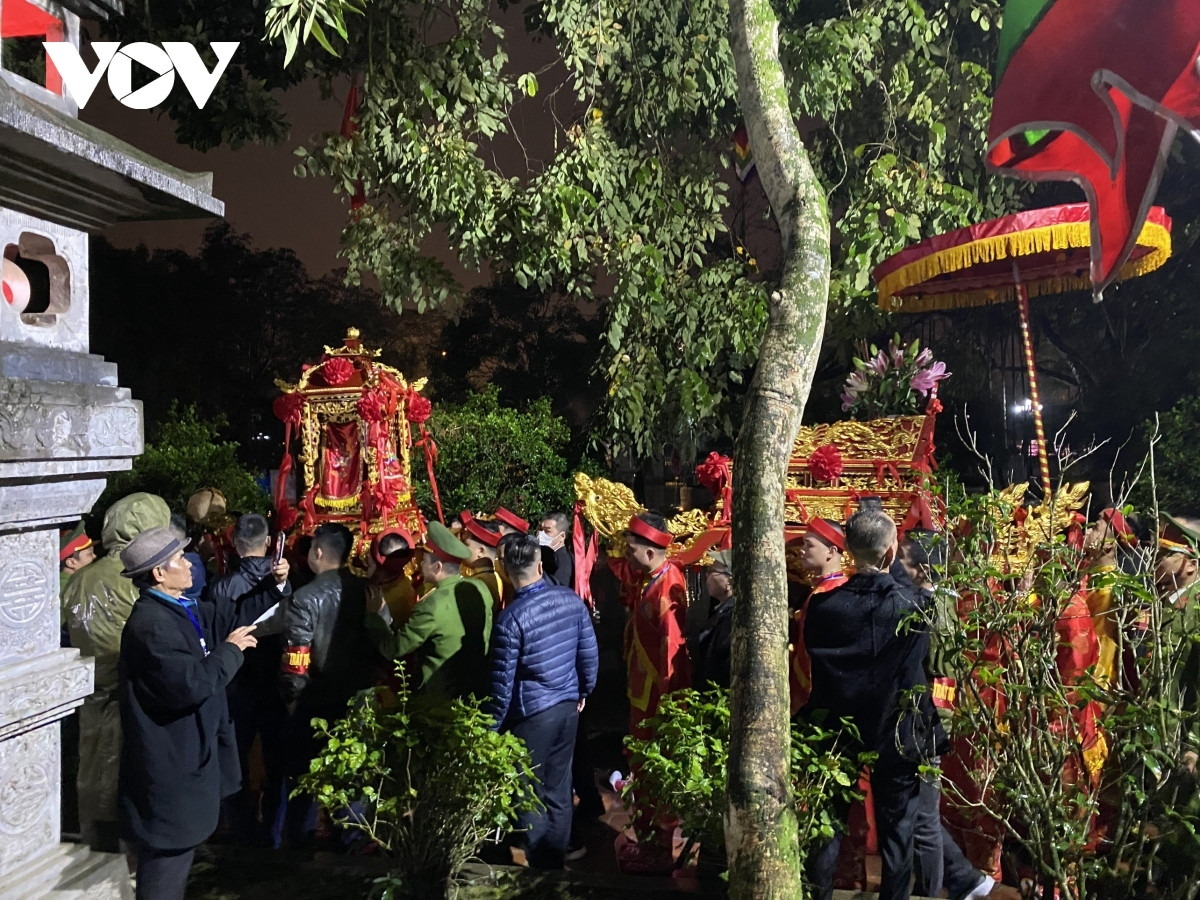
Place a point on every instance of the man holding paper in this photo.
(178, 758)
(255, 706)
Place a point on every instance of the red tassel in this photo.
(427, 444)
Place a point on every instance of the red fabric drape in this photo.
(584, 551)
(341, 461)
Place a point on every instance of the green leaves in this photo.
(682, 767)
(629, 190)
(293, 22)
(436, 781)
(186, 453)
(491, 455)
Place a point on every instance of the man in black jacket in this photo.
(557, 561)
(255, 706)
(868, 650)
(178, 759)
(328, 656)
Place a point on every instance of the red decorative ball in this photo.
(382, 497)
(714, 473)
(337, 370)
(287, 408)
(419, 408)
(825, 464)
(373, 406)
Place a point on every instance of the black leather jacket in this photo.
(327, 653)
(251, 584)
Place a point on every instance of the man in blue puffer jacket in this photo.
(544, 663)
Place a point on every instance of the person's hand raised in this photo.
(242, 638)
(375, 599)
(280, 571)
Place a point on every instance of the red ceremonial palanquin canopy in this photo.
(354, 418)
(973, 266)
(1041, 251)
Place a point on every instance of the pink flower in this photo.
(879, 364)
(924, 358)
(848, 401)
(925, 380)
(856, 382)
(897, 354)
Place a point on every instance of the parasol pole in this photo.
(1039, 429)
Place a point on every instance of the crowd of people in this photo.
(202, 676)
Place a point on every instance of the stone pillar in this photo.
(65, 423)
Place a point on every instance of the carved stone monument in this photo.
(64, 420)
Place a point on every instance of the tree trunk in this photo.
(760, 825)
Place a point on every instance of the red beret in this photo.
(474, 528)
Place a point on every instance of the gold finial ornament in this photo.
(352, 333)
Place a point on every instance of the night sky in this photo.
(262, 195)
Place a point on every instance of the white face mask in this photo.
(544, 539)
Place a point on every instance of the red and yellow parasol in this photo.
(1043, 251)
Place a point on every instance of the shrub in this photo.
(491, 455)
(1082, 770)
(682, 768)
(434, 782)
(1177, 478)
(184, 454)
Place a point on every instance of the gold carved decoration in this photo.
(1016, 542)
(609, 506)
(891, 439)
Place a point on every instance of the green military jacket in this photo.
(448, 635)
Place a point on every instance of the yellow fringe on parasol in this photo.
(1071, 236)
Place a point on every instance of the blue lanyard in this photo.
(649, 584)
(187, 608)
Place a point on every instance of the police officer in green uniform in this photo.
(450, 627)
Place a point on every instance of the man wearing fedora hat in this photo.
(178, 759)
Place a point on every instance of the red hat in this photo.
(647, 532)
(511, 519)
(474, 528)
(1116, 520)
(379, 558)
(827, 532)
(72, 543)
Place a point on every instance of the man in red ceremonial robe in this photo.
(821, 551)
(656, 660)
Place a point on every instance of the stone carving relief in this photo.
(29, 427)
(28, 584)
(45, 691)
(29, 774)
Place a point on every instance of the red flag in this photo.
(1093, 91)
